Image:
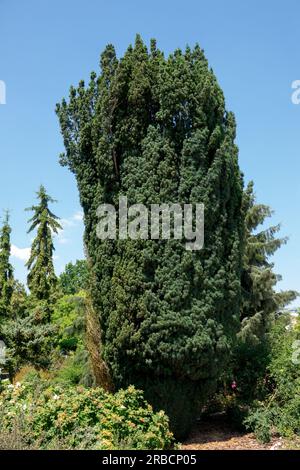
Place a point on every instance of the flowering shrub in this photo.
(77, 417)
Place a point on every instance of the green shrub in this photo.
(260, 421)
(77, 417)
(69, 317)
(280, 411)
(75, 370)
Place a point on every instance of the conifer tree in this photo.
(260, 301)
(6, 269)
(156, 130)
(41, 278)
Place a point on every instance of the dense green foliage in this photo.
(28, 341)
(69, 315)
(41, 277)
(280, 409)
(72, 417)
(247, 379)
(156, 130)
(74, 278)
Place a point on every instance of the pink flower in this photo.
(233, 385)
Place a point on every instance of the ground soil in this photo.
(216, 433)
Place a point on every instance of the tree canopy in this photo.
(75, 277)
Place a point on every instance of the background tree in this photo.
(28, 342)
(6, 269)
(19, 300)
(41, 277)
(260, 301)
(156, 130)
(74, 278)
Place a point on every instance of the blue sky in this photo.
(45, 46)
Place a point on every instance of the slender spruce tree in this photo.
(6, 269)
(261, 302)
(41, 278)
(260, 299)
(156, 130)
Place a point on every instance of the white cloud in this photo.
(72, 221)
(68, 223)
(78, 216)
(75, 219)
(20, 253)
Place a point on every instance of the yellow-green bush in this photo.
(78, 417)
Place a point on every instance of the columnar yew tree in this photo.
(6, 270)
(41, 278)
(156, 130)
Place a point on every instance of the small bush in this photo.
(260, 421)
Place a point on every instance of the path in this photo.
(215, 433)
